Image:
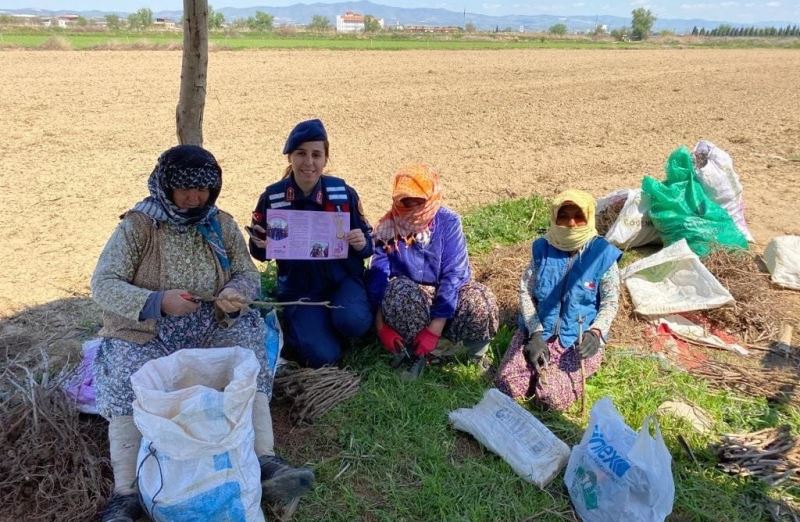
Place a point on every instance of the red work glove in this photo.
(425, 342)
(390, 339)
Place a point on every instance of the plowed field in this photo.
(80, 132)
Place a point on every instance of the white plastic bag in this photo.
(673, 280)
(197, 460)
(782, 257)
(513, 433)
(616, 474)
(633, 226)
(721, 183)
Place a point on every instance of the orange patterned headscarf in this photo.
(419, 180)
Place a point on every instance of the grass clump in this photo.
(507, 223)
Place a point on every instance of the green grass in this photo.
(390, 454)
(80, 40)
(513, 221)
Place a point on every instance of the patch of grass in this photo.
(399, 459)
(507, 223)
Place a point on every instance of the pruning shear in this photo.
(416, 365)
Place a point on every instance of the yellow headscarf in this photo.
(571, 239)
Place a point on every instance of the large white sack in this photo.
(633, 226)
(197, 459)
(782, 257)
(673, 280)
(514, 434)
(721, 183)
(616, 474)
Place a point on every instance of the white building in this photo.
(351, 22)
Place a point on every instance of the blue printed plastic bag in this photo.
(618, 474)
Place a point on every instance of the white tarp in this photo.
(633, 226)
(673, 280)
(782, 257)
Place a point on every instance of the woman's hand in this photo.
(356, 239)
(258, 235)
(230, 301)
(178, 302)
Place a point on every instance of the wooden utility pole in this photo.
(192, 101)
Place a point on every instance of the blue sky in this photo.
(741, 11)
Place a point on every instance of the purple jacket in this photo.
(444, 263)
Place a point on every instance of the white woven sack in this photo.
(514, 434)
(782, 257)
(197, 459)
(721, 183)
(633, 227)
(673, 280)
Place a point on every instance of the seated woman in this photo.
(569, 295)
(419, 280)
(314, 334)
(169, 254)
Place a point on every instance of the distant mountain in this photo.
(302, 14)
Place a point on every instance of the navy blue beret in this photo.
(309, 130)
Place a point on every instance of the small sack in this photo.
(715, 172)
(628, 220)
(513, 433)
(782, 257)
(197, 459)
(617, 474)
(673, 280)
(80, 386)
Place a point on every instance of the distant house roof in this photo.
(352, 18)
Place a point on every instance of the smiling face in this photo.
(570, 215)
(308, 161)
(186, 199)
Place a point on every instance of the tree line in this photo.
(728, 30)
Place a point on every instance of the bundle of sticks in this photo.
(313, 392)
(770, 455)
(773, 383)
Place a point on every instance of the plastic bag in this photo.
(715, 172)
(680, 209)
(513, 433)
(633, 226)
(673, 280)
(197, 459)
(80, 386)
(616, 474)
(782, 257)
(273, 344)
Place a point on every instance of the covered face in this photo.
(416, 197)
(572, 220)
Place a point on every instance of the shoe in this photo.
(122, 508)
(280, 482)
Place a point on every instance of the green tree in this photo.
(82, 21)
(261, 22)
(558, 29)
(695, 31)
(6, 19)
(371, 24)
(215, 18)
(113, 22)
(470, 27)
(641, 23)
(620, 34)
(141, 19)
(319, 23)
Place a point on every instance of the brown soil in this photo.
(81, 131)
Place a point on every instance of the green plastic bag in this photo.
(679, 208)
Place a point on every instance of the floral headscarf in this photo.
(187, 167)
(419, 180)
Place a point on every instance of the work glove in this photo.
(425, 342)
(590, 343)
(536, 352)
(390, 339)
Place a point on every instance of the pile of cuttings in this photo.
(314, 391)
(758, 311)
(53, 465)
(770, 455)
(501, 270)
(782, 385)
(608, 216)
